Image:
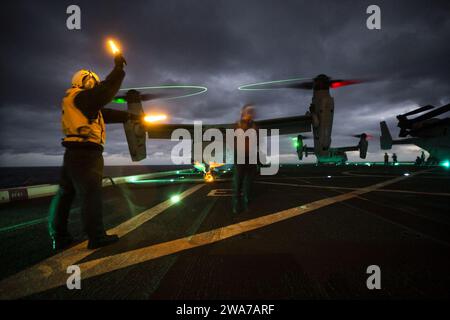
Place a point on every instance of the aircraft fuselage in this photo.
(322, 111)
(332, 156)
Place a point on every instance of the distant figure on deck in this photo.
(386, 159)
(418, 161)
(244, 173)
(422, 158)
(394, 158)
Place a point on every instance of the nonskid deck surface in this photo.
(310, 232)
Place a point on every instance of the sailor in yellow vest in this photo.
(83, 124)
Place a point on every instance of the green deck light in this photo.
(119, 100)
(446, 164)
(200, 167)
(175, 198)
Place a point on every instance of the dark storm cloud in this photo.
(222, 44)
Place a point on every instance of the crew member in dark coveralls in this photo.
(244, 173)
(386, 159)
(83, 123)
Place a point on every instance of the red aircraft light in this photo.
(338, 84)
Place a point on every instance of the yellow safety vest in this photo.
(76, 126)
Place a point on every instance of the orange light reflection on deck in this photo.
(209, 177)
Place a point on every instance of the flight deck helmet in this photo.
(247, 112)
(85, 79)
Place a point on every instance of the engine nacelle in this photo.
(299, 146)
(363, 146)
(302, 148)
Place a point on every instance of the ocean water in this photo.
(11, 177)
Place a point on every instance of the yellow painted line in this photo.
(443, 194)
(220, 193)
(122, 260)
(51, 272)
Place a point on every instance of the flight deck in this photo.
(310, 232)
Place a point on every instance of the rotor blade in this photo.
(153, 96)
(302, 85)
(308, 85)
(342, 83)
(431, 114)
(419, 110)
(367, 136)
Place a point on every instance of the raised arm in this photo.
(90, 101)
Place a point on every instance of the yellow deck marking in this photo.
(122, 260)
(51, 272)
(220, 193)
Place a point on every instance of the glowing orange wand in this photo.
(115, 50)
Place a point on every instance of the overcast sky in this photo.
(221, 45)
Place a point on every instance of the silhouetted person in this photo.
(386, 159)
(418, 161)
(244, 173)
(422, 157)
(394, 158)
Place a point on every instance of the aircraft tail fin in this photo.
(385, 138)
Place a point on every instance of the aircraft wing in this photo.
(164, 131)
(347, 149)
(288, 125)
